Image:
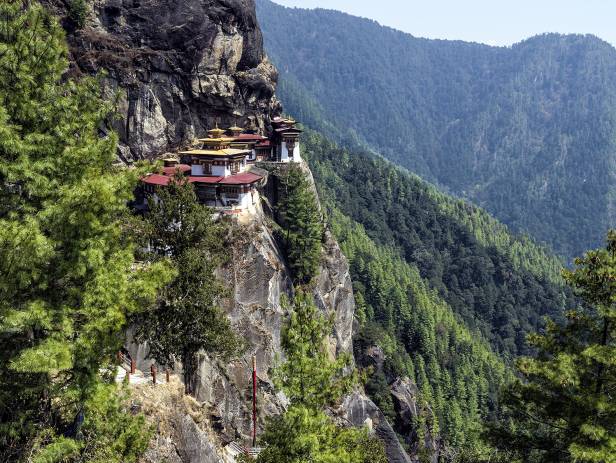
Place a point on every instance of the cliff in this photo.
(206, 427)
(178, 67)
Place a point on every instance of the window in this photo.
(232, 191)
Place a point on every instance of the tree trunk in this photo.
(189, 366)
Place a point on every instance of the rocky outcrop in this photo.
(358, 410)
(405, 396)
(412, 423)
(183, 429)
(333, 293)
(178, 67)
(260, 280)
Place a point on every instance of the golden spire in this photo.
(216, 133)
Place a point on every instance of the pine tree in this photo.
(66, 278)
(312, 381)
(563, 410)
(308, 376)
(302, 224)
(188, 317)
(302, 434)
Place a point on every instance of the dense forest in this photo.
(499, 285)
(527, 131)
(457, 375)
(443, 289)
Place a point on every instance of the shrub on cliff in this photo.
(78, 12)
(312, 381)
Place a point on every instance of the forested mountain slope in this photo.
(456, 373)
(528, 132)
(443, 290)
(497, 284)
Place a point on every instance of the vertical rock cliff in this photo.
(178, 67)
(259, 279)
(220, 414)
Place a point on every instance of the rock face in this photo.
(358, 410)
(260, 279)
(179, 68)
(183, 429)
(409, 410)
(405, 394)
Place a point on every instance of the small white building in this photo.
(285, 141)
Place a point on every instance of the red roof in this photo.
(249, 136)
(156, 179)
(244, 178)
(240, 179)
(264, 144)
(171, 170)
(204, 179)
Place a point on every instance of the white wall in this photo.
(196, 169)
(284, 152)
(244, 200)
(296, 153)
(288, 157)
(221, 171)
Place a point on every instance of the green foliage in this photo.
(188, 316)
(109, 433)
(434, 279)
(66, 280)
(562, 409)
(303, 434)
(78, 12)
(457, 374)
(312, 381)
(527, 131)
(498, 284)
(302, 226)
(308, 376)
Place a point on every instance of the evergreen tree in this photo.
(302, 224)
(563, 410)
(308, 376)
(302, 434)
(66, 278)
(312, 380)
(188, 317)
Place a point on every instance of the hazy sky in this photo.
(496, 22)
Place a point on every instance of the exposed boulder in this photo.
(184, 432)
(405, 395)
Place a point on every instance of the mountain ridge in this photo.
(524, 131)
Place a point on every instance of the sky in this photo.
(494, 22)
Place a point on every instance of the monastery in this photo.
(220, 167)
